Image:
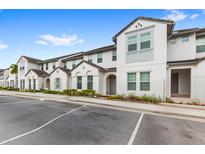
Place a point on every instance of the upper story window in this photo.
(73, 64)
(42, 67)
(145, 41)
(173, 41)
(22, 68)
(54, 65)
(200, 44)
(114, 56)
(185, 38)
(90, 58)
(99, 58)
(65, 65)
(132, 43)
(46, 66)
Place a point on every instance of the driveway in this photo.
(30, 121)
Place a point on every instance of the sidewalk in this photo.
(163, 108)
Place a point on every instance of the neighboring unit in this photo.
(147, 58)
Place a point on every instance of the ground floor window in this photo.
(34, 84)
(90, 82)
(57, 83)
(29, 84)
(22, 84)
(79, 82)
(144, 81)
(131, 81)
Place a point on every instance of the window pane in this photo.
(145, 76)
(79, 82)
(131, 86)
(185, 39)
(132, 77)
(132, 39)
(99, 60)
(90, 82)
(132, 47)
(200, 41)
(145, 37)
(145, 45)
(145, 86)
(99, 55)
(200, 48)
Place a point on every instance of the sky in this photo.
(46, 34)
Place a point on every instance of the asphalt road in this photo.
(29, 121)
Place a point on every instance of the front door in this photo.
(174, 83)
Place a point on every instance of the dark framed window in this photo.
(114, 56)
(54, 65)
(42, 67)
(132, 43)
(34, 84)
(79, 82)
(90, 82)
(46, 66)
(57, 83)
(144, 81)
(29, 84)
(99, 58)
(131, 81)
(90, 58)
(200, 44)
(145, 41)
(65, 65)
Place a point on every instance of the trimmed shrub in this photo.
(119, 97)
(71, 92)
(87, 92)
(169, 100)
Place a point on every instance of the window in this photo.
(131, 81)
(65, 65)
(145, 40)
(90, 58)
(57, 83)
(99, 58)
(90, 82)
(73, 64)
(145, 81)
(22, 68)
(29, 84)
(200, 44)
(34, 84)
(173, 41)
(114, 56)
(42, 67)
(185, 39)
(132, 43)
(54, 65)
(46, 66)
(79, 82)
(22, 82)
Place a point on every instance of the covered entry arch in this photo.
(111, 84)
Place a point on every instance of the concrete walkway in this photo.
(188, 111)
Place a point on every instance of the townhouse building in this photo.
(147, 58)
(4, 73)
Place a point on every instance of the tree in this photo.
(14, 70)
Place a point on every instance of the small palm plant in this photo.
(14, 70)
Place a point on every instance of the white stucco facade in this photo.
(147, 58)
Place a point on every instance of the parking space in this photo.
(30, 121)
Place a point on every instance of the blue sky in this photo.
(49, 33)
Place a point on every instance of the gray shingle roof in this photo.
(38, 72)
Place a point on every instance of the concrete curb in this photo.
(67, 100)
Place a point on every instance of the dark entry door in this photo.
(175, 83)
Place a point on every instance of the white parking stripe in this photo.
(30, 132)
(131, 140)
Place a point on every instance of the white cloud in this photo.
(175, 15)
(193, 16)
(63, 40)
(3, 46)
